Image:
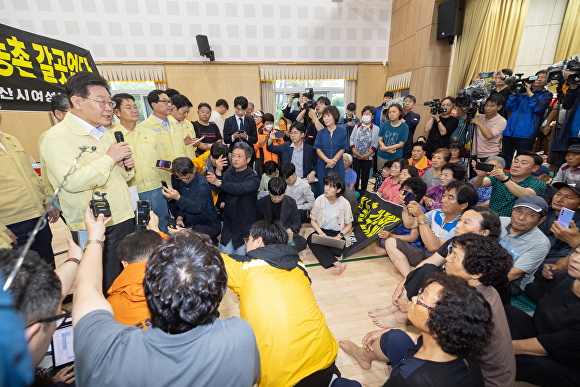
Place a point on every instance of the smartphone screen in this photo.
(486, 75)
(565, 217)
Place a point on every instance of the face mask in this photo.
(366, 119)
(268, 127)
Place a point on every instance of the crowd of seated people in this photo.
(234, 201)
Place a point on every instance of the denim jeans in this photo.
(158, 205)
(229, 249)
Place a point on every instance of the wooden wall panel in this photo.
(371, 85)
(208, 83)
(26, 127)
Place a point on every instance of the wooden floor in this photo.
(345, 299)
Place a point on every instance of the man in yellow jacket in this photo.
(296, 346)
(181, 107)
(100, 169)
(22, 199)
(147, 149)
(168, 130)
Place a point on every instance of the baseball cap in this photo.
(575, 148)
(542, 170)
(536, 203)
(573, 185)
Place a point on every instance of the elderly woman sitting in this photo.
(449, 172)
(456, 325)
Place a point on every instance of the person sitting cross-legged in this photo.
(279, 206)
(482, 262)
(435, 227)
(456, 325)
(296, 346)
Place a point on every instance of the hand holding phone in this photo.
(484, 167)
(163, 164)
(565, 217)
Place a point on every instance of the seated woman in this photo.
(439, 158)
(481, 261)
(478, 220)
(419, 157)
(389, 190)
(449, 172)
(331, 216)
(418, 187)
(457, 149)
(547, 346)
(350, 177)
(485, 192)
(382, 174)
(456, 325)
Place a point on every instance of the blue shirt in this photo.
(297, 158)
(392, 136)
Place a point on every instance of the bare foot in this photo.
(393, 320)
(383, 311)
(359, 353)
(338, 268)
(378, 250)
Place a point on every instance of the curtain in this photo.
(399, 82)
(160, 85)
(273, 73)
(133, 73)
(475, 11)
(496, 45)
(349, 92)
(569, 42)
(268, 96)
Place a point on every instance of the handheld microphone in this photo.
(120, 138)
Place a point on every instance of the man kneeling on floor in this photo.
(296, 346)
(186, 344)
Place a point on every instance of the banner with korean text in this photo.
(33, 68)
(375, 215)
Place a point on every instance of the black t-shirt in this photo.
(436, 140)
(211, 133)
(276, 209)
(424, 373)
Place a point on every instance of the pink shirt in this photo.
(486, 148)
(390, 190)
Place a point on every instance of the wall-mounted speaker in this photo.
(204, 47)
(450, 19)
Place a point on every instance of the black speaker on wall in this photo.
(450, 19)
(204, 48)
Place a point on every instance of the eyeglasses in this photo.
(165, 101)
(60, 319)
(103, 104)
(528, 215)
(237, 156)
(417, 301)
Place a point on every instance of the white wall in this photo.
(540, 36)
(244, 30)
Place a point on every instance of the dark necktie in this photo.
(241, 123)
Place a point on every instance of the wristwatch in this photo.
(422, 223)
(219, 183)
(506, 180)
(341, 234)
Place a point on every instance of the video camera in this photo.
(518, 84)
(473, 95)
(435, 106)
(566, 70)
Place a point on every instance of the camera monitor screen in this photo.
(62, 345)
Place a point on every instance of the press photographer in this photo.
(567, 72)
(311, 115)
(528, 103)
(441, 124)
(302, 98)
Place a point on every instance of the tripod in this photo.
(467, 131)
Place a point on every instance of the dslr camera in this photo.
(435, 106)
(518, 84)
(568, 70)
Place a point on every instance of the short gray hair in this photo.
(499, 160)
(348, 156)
(245, 147)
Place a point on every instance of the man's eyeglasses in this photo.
(235, 156)
(103, 104)
(60, 319)
(184, 177)
(417, 301)
(166, 101)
